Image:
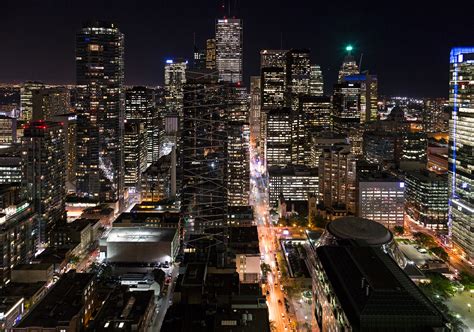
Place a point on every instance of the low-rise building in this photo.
(126, 311)
(68, 306)
(32, 273)
(140, 245)
(363, 289)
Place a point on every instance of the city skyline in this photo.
(408, 44)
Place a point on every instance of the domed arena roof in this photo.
(361, 229)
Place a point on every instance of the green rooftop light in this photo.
(349, 48)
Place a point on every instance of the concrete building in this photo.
(140, 245)
(381, 198)
(337, 176)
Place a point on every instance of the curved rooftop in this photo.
(361, 229)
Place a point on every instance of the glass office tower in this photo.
(461, 149)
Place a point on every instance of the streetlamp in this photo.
(471, 291)
(469, 307)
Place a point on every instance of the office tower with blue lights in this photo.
(100, 112)
(368, 95)
(349, 65)
(461, 147)
(44, 179)
(229, 45)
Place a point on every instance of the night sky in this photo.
(405, 43)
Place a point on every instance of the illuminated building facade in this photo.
(337, 176)
(295, 183)
(175, 78)
(273, 58)
(319, 140)
(346, 114)
(348, 67)
(17, 244)
(7, 129)
(426, 199)
(11, 169)
(381, 199)
(140, 104)
(26, 98)
(318, 112)
(461, 145)
(211, 54)
(134, 152)
(238, 164)
(229, 49)
(316, 83)
(368, 95)
(69, 122)
(436, 115)
(255, 109)
(100, 112)
(158, 181)
(49, 102)
(279, 128)
(298, 73)
(44, 162)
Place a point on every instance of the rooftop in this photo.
(292, 171)
(61, 303)
(359, 229)
(141, 234)
(377, 177)
(378, 296)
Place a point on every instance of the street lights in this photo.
(469, 307)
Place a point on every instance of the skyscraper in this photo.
(100, 112)
(349, 66)
(229, 49)
(44, 162)
(49, 102)
(135, 152)
(273, 58)
(238, 163)
(316, 83)
(175, 78)
(140, 103)
(368, 95)
(279, 128)
(26, 98)
(255, 109)
(461, 145)
(203, 142)
(211, 54)
(298, 72)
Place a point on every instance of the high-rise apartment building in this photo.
(44, 179)
(461, 144)
(100, 112)
(229, 45)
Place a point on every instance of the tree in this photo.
(467, 280)
(398, 230)
(441, 253)
(320, 221)
(265, 268)
(425, 239)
